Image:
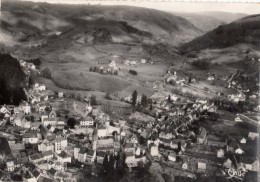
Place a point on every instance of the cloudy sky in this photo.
(248, 8)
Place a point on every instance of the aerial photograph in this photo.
(129, 91)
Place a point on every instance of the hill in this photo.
(27, 21)
(207, 21)
(242, 31)
(12, 80)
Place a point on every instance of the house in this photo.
(184, 166)
(129, 147)
(227, 163)
(210, 78)
(16, 146)
(238, 119)
(82, 154)
(46, 146)
(162, 135)
(165, 142)
(10, 165)
(251, 164)
(253, 135)
(105, 142)
(17, 110)
(130, 157)
(31, 138)
(238, 150)
(64, 157)
(31, 172)
(168, 135)
(215, 143)
(174, 144)
(25, 107)
(48, 155)
(19, 120)
(87, 121)
(35, 126)
(90, 156)
(60, 94)
(202, 165)
(154, 150)
(36, 158)
(100, 157)
(172, 156)
(242, 140)
(60, 144)
(42, 87)
(202, 137)
(220, 153)
(50, 121)
(102, 132)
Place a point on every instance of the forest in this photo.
(12, 80)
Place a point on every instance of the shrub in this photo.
(133, 72)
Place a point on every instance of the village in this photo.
(51, 137)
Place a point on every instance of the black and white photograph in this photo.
(129, 91)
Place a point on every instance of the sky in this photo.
(170, 6)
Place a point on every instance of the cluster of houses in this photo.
(134, 62)
(42, 146)
(168, 137)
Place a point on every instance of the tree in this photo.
(46, 73)
(169, 98)
(144, 100)
(71, 122)
(93, 100)
(134, 98)
(31, 80)
(189, 79)
(108, 97)
(151, 106)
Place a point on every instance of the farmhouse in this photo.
(253, 135)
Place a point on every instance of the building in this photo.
(10, 165)
(48, 155)
(239, 151)
(202, 137)
(102, 132)
(60, 144)
(100, 157)
(82, 154)
(227, 163)
(105, 142)
(63, 157)
(31, 138)
(129, 147)
(90, 156)
(154, 150)
(25, 107)
(87, 121)
(238, 119)
(220, 153)
(242, 140)
(46, 146)
(251, 164)
(60, 95)
(172, 156)
(202, 165)
(50, 121)
(130, 157)
(19, 120)
(253, 135)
